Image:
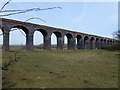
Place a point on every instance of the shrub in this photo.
(39, 46)
(112, 47)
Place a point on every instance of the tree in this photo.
(15, 11)
(4, 13)
(116, 34)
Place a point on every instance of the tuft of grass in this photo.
(62, 69)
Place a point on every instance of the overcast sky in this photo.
(98, 18)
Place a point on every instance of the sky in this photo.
(97, 18)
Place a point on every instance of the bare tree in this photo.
(116, 34)
(14, 12)
(16, 57)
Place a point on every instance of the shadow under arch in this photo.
(25, 29)
(104, 41)
(60, 40)
(101, 42)
(46, 39)
(111, 42)
(97, 43)
(80, 43)
(86, 43)
(108, 42)
(43, 31)
(69, 41)
(92, 43)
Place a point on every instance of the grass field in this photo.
(62, 69)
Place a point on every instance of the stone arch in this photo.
(22, 27)
(43, 31)
(110, 42)
(105, 41)
(70, 41)
(113, 42)
(92, 43)
(86, 43)
(23, 32)
(46, 39)
(101, 42)
(57, 33)
(97, 43)
(38, 39)
(80, 42)
(60, 40)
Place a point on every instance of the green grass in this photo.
(62, 69)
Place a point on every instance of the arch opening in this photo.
(69, 40)
(97, 43)
(101, 42)
(20, 27)
(20, 33)
(65, 42)
(92, 43)
(105, 42)
(45, 39)
(79, 42)
(58, 40)
(108, 42)
(53, 41)
(38, 40)
(86, 42)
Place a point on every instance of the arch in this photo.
(97, 43)
(20, 40)
(101, 42)
(110, 42)
(105, 42)
(113, 42)
(60, 40)
(65, 42)
(53, 41)
(69, 40)
(38, 39)
(43, 31)
(25, 29)
(80, 42)
(46, 39)
(21, 32)
(58, 34)
(86, 43)
(69, 35)
(92, 43)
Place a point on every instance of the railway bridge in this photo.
(84, 41)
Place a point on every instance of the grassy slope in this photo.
(62, 69)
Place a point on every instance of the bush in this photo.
(39, 46)
(113, 47)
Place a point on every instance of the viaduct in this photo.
(84, 41)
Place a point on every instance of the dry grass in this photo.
(63, 69)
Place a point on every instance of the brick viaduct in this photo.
(84, 41)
